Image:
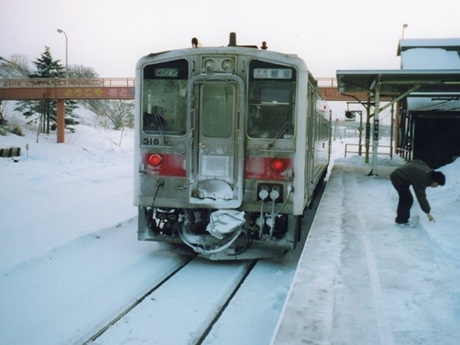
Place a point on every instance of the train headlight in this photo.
(227, 64)
(155, 160)
(209, 64)
(278, 165)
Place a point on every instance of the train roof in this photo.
(226, 49)
(261, 52)
(267, 55)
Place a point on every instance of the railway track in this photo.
(135, 303)
(208, 302)
(152, 314)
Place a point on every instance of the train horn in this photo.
(232, 40)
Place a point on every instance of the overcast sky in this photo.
(330, 35)
(110, 36)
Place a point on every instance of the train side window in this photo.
(164, 101)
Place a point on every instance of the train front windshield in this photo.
(271, 101)
(164, 106)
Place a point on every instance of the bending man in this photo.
(418, 174)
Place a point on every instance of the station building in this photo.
(428, 125)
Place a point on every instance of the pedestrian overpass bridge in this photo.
(62, 89)
(66, 88)
(109, 88)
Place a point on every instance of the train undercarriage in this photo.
(221, 234)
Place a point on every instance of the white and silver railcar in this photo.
(231, 144)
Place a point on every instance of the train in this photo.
(231, 146)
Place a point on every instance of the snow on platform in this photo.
(363, 280)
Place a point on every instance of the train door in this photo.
(217, 173)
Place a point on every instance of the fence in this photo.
(381, 150)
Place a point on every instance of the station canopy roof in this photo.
(447, 44)
(394, 83)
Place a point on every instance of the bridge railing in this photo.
(104, 82)
(67, 82)
(327, 81)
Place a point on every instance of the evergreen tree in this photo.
(45, 111)
(47, 67)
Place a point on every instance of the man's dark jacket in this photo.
(418, 174)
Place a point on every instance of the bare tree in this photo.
(80, 71)
(22, 62)
(16, 66)
(119, 112)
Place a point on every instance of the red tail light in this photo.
(278, 165)
(155, 160)
(267, 168)
(164, 164)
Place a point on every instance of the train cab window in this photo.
(164, 101)
(271, 101)
(217, 110)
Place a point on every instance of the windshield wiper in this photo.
(159, 120)
(278, 135)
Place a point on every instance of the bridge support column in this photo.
(60, 121)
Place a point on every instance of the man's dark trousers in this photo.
(405, 201)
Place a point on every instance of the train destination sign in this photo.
(166, 72)
(272, 73)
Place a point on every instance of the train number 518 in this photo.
(151, 141)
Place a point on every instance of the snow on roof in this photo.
(429, 58)
(431, 54)
(445, 43)
(433, 104)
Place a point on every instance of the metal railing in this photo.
(104, 82)
(385, 150)
(327, 81)
(67, 82)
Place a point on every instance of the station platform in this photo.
(363, 280)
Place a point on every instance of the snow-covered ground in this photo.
(58, 192)
(362, 279)
(69, 256)
(68, 208)
(68, 248)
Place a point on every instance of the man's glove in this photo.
(430, 217)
